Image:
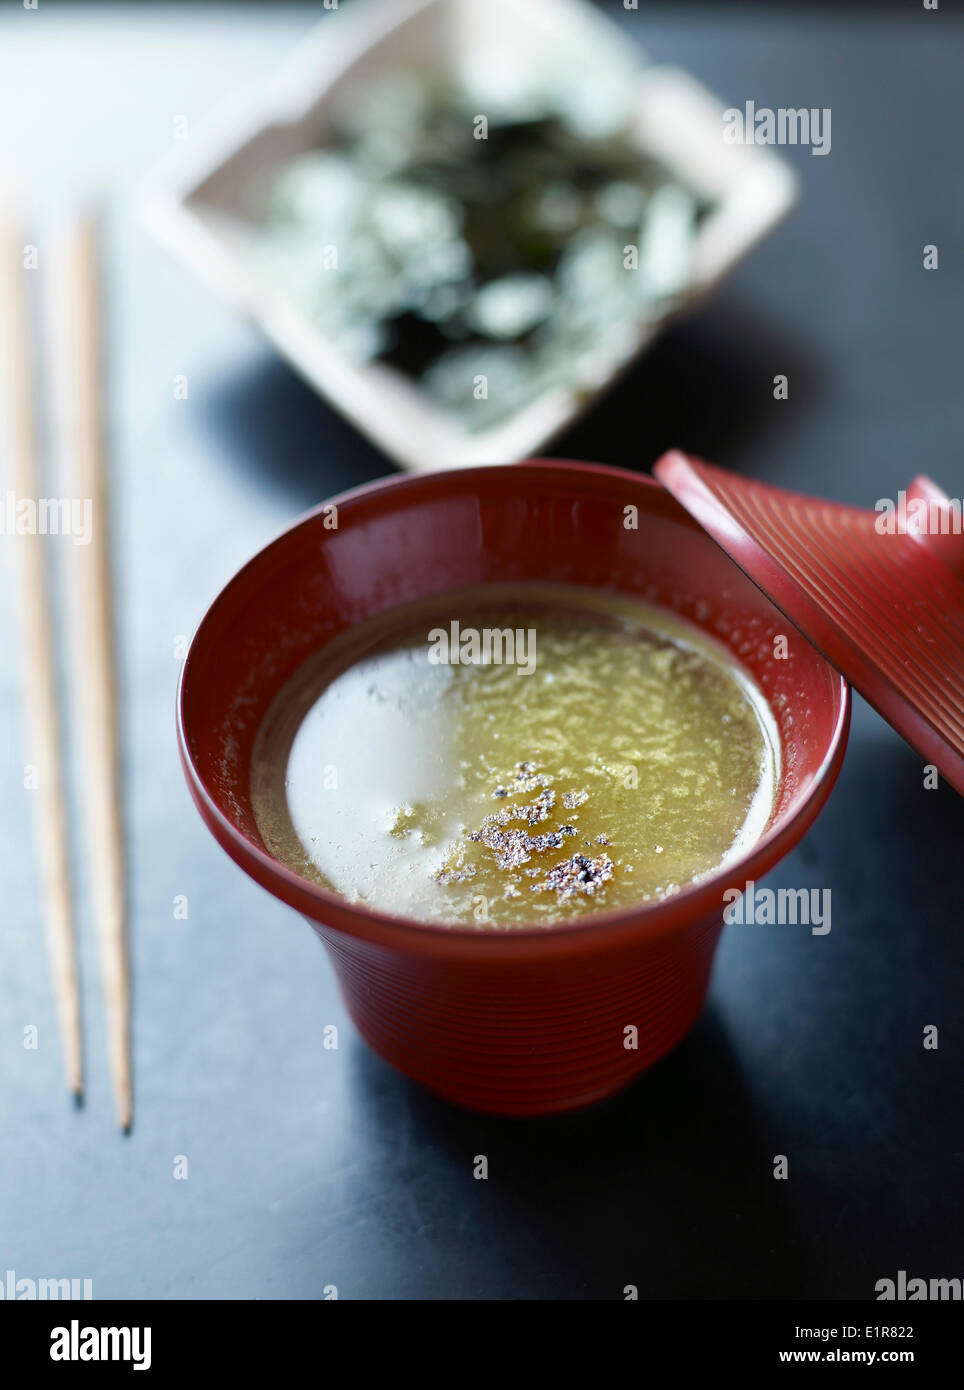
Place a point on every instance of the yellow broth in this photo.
(508, 756)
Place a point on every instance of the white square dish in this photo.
(200, 203)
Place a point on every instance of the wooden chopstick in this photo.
(94, 675)
(39, 666)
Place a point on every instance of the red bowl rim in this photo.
(651, 920)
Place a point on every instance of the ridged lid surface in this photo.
(879, 592)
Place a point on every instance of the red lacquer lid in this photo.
(879, 592)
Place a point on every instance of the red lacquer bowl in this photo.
(536, 1020)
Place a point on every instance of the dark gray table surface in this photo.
(310, 1167)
